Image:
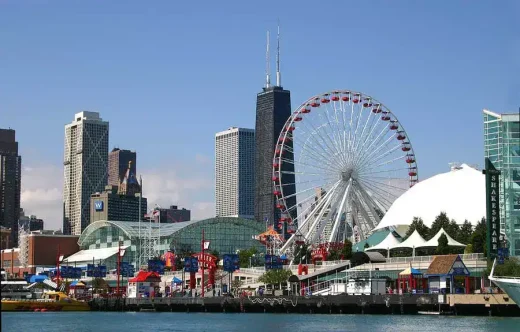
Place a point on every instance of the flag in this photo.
(156, 213)
(206, 245)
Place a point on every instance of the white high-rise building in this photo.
(235, 173)
(85, 168)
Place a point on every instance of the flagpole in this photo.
(202, 261)
(140, 216)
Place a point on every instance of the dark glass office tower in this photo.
(273, 108)
(10, 184)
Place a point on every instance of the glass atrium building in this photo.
(502, 147)
(100, 240)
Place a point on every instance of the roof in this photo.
(461, 193)
(434, 241)
(373, 239)
(441, 264)
(413, 241)
(144, 276)
(410, 271)
(92, 254)
(388, 243)
(131, 229)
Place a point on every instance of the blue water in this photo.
(131, 321)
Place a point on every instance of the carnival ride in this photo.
(349, 158)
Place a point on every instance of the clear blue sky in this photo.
(169, 74)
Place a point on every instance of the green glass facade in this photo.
(226, 235)
(502, 147)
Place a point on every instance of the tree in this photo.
(418, 224)
(441, 221)
(442, 248)
(468, 249)
(245, 255)
(466, 230)
(215, 253)
(478, 238)
(453, 229)
(366, 245)
(273, 277)
(510, 268)
(346, 251)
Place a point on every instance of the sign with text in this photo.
(98, 205)
(492, 209)
(191, 264)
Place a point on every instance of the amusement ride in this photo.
(343, 158)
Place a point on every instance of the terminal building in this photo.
(100, 240)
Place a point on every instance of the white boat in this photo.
(510, 285)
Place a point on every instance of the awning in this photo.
(389, 242)
(176, 280)
(77, 283)
(89, 255)
(413, 241)
(434, 242)
(409, 271)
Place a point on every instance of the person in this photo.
(219, 292)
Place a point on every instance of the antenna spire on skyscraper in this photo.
(267, 64)
(278, 74)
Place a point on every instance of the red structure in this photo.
(206, 261)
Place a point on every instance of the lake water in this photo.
(132, 321)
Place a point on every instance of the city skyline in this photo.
(436, 73)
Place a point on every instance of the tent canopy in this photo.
(413, 241)
(434, 241)
(176, 280)
(388, 243)
(410, 271)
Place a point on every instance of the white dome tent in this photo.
(434, 241)
(388, 243)
(460, 193)
(413, 241)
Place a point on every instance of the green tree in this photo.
(244, 256)
(215, 253)
(453, 229)
(273, 277)
(468, 249)
(417, 224)
(510, 268)
(478, 238)
(466, 230)
(441, 221)
(442, 247)
(346, 251)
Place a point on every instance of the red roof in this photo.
(144, 276)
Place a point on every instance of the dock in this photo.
(392, 304)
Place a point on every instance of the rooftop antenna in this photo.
(278, 74)
(267, 65)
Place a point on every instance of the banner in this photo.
(231, 262)
(492, 209)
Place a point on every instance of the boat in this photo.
(50, 301)
(510, 285)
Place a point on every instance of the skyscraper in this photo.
(502, 147)
(10, 183)
(118, 160)
(234, 173)
(85, 168)
(273, 108)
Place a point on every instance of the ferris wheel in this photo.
(341, 160)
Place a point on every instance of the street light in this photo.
(250, 257)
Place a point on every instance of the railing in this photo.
(475, 256)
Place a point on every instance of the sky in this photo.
(168, 75)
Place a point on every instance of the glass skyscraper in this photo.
(502, 147)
